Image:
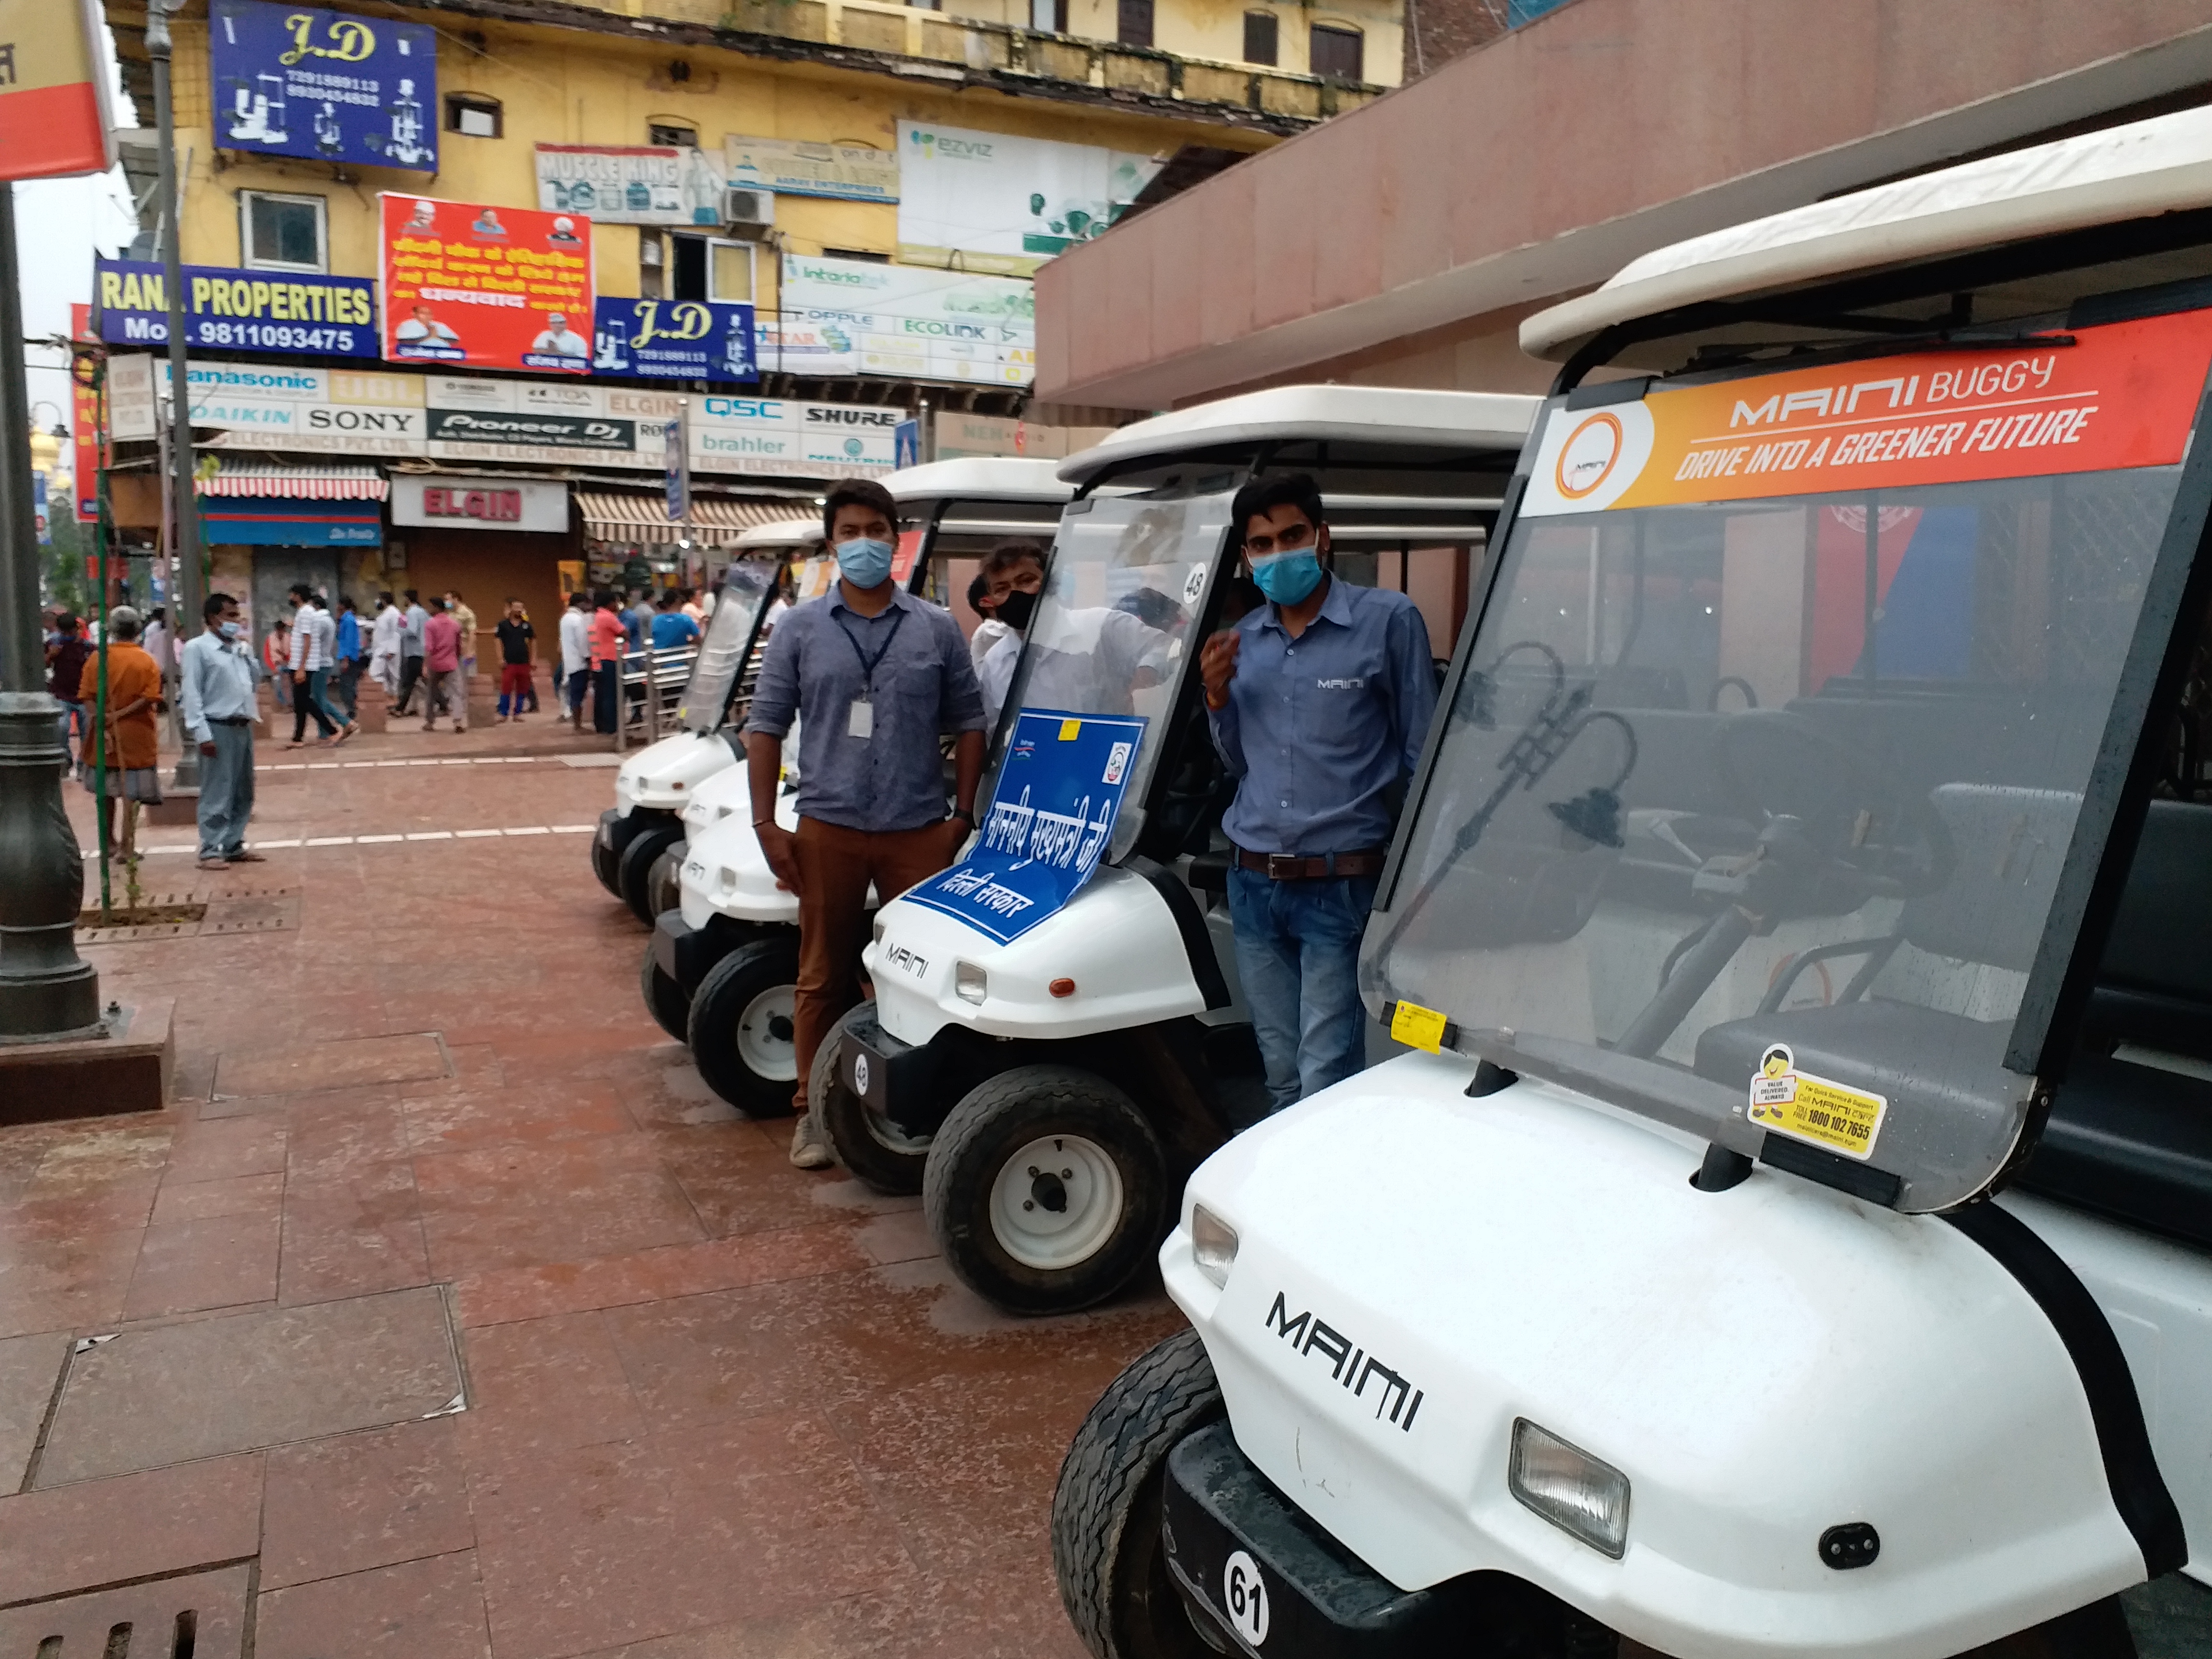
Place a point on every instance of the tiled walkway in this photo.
(447, 1313)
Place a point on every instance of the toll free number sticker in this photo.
(1815, 1108)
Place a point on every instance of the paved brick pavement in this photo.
(447, 1313)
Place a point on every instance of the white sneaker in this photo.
(809, 1150)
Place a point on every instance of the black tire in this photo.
(1106, 1552)
(1102, 1239)
(635, 867)
(876, 1152)
(604, 861)
(664, 998)
(663, 883)
(744, 988)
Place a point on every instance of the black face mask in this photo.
(1016, 610)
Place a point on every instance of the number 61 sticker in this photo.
(1245, 1596)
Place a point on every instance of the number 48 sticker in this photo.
(1246, 1597)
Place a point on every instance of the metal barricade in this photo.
(653, 684)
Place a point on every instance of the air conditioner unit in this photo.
(748, 209)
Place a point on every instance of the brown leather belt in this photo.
(1282, 866)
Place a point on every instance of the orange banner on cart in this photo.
(2121, 395)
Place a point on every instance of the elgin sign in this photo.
(480, 504)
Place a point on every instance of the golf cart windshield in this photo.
(746, 587)
(1762, 764)
(1111, 633)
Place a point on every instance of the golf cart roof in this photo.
(780, 532)
(986, 478)
(1366, 415)
(2029, 202)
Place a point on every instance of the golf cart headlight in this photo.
(970, 982)
(1569, 1488)
(1212, 1244)
(876, 934)
(729, 879)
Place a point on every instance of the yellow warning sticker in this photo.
(1815, 1108)
(1069, 730)
(1419, 1028)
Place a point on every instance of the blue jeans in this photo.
(1297, 954)
(226, 791)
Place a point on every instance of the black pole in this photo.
(46, 990)
(187, 590)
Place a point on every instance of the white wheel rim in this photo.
(766, 1054)
(1056, 1202)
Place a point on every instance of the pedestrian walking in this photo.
(609, 639)
(576, 655)
(517, 650)
(155, 640)
(414, 619)
(216, 681)
(467, 620)
(1318, 702)
(123, 733)
(532, 697)
(873, 676)
(66, 650)
(314, 646)
(347, 676)
(276, 659)
(441, 668)
(383, 636)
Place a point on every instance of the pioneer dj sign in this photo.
(479, 503)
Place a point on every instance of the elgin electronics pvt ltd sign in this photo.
(54, 100)
(457, 503)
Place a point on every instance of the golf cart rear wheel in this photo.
(1046, 1189)
(741, 1028)
(635, 871)
(604, 858)
(1106, 1552)
(663, 883)
(664, 998)
(877, 1151)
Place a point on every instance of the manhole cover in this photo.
(200, 1615)
(178, 915)
(252, 913)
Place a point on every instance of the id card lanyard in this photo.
(860, 718)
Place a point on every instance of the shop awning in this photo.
(616, 516)
(286, 521)
(334, 482)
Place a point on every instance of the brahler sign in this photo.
(54, 98)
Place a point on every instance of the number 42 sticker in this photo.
(1245, 1595)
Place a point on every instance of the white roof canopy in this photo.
(2163, 164)
(979, 477)
(780, 532)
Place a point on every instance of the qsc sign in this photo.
(747, 408)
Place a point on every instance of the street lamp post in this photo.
(185, 512)
(46, 990)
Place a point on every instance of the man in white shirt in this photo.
(384, 635)
(216, 690)
(557, 340)
(576, 654)
(314, 648)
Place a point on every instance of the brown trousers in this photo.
(835, 866)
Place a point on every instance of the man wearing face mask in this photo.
(1013, 577)
(1318, 701)
(873, 675)
(217, 694)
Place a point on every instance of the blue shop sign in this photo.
(238, 310)
(1051, 821)
(282, 521)
(674, 340)
(324, 86)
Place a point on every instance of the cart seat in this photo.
(1895, 1049)
(2154, 985)
(2133, 1142)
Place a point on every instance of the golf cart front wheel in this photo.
(1106, 1546)
(664, 889)
(740, 1026)
(606, 860)
(879, 1153)
(664, 998)
(1046, 1189)
(634, 872)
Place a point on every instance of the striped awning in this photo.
(612, 516)
(334, 482)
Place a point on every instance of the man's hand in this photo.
(298, 676)
(1216, 666)
(781, 847)
(207, 748)
(957, 831)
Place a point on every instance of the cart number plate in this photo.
(1815, 1108)
(1244, 1597)
(1419, 1028)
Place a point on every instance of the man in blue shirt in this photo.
(1319, 701)
(349, 650)
(217, 682)
(671, 628)
(874, 676)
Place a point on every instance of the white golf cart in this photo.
(1816, 844)
(1048, 1095)
(725, 955)
(652, 787)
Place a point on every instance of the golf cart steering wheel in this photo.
(1882, 837)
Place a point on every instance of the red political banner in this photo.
(53, 97)
(485, 287)
(84, 420)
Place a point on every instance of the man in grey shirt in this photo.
(410, 651)
(874, 676)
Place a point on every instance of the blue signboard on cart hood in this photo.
(324, 86)
(1050, 822)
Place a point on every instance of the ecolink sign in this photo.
(324, 86)
(674, 340)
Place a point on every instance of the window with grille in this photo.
(282, 233)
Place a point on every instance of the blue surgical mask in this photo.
(864, 563)
(231, 630)
(1287, 577)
